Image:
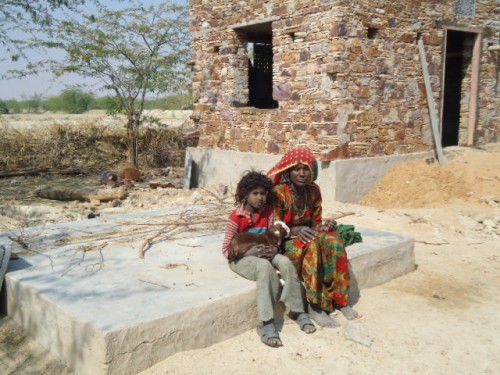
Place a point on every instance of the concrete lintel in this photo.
(253, 22)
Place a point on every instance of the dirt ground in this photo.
(443, 318)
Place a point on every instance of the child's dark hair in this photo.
(252, 180)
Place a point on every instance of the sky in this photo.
(46, 84)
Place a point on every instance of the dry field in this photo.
(99, 117)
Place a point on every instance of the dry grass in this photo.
(88, 146)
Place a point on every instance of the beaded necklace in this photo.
(297, 210)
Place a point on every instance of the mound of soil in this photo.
(469, 175)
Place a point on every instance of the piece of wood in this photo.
(430, 101)
(474, 89)
(61, 194)
(161, 184)
(342, 214)
(34, 172)
(95, 202)
(106, 195)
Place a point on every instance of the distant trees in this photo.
(33, 103)
(71, 101)
(3, 108)
(75, 100)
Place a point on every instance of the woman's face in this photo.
(300, 175)
(256, 199)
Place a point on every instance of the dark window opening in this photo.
(458, 59)
(332, 76)
(372, 33)
(259, 47)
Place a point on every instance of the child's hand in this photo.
(262, 251)
(268, 252)
(254, 251)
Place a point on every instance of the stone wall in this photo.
(347, 75)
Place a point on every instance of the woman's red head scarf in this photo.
(299, 155)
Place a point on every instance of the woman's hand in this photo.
(304, 233)
(262, 251)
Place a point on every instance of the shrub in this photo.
(3, 108)
(75, 101)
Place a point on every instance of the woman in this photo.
(315, 248)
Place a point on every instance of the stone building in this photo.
(344, 78)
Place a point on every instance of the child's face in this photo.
(256, 199)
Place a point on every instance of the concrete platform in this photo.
(88, 297)
(343, 180)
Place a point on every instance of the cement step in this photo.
(89, 298)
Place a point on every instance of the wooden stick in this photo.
(34, 172)
(148, 240)
(342, 214)
(430, 103)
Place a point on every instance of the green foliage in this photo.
(76, 101)
(71, 101)
(14, 106)
(172, 102)
(52, 104)
(108, 103)
(32, 104)
(135, 51)
(3, 108)
(184, 101)
(27, 16)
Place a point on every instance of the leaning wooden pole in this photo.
(430, 100)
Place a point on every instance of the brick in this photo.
(340, 152)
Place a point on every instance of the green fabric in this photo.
(349, 235)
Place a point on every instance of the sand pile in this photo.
(469, 175)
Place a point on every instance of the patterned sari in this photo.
(322, 263)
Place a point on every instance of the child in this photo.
(255, 214)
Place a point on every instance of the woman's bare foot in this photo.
(349, 313)
(321, 317)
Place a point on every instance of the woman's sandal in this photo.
(269, 335)
(305, 323)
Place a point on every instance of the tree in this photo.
(21, 15)
(132, 52)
